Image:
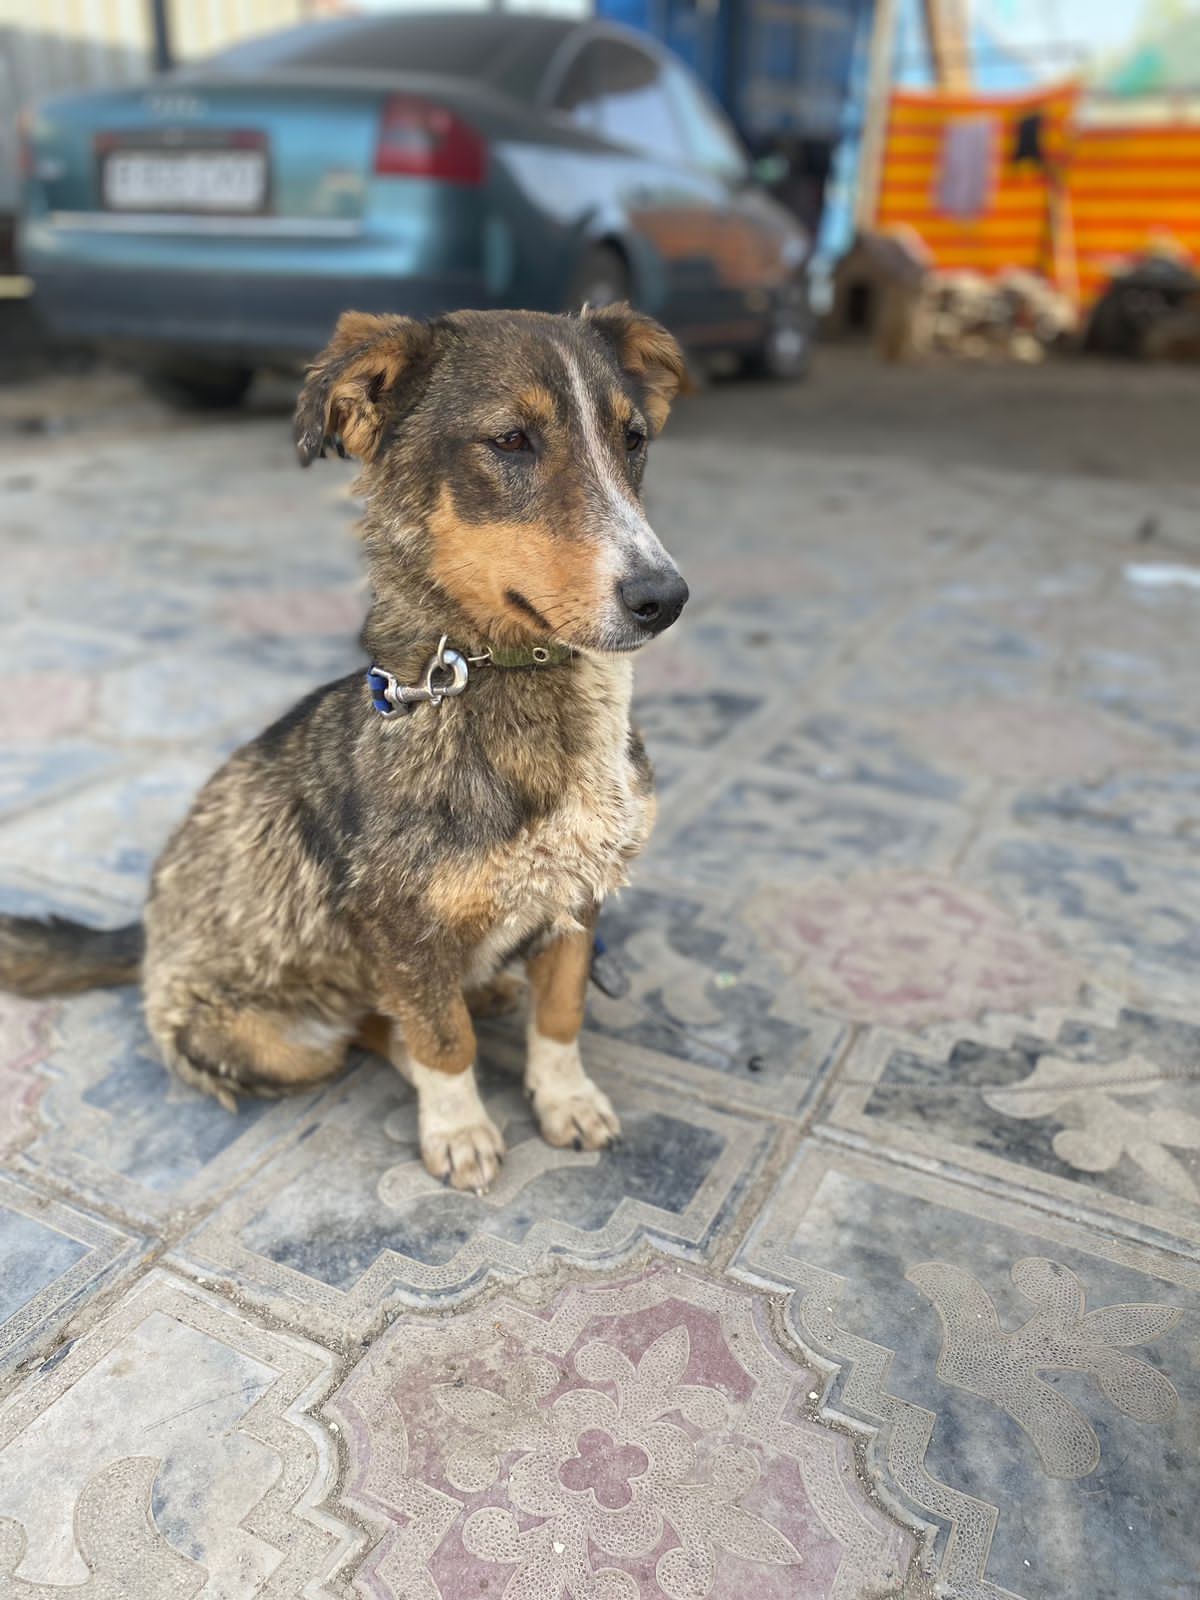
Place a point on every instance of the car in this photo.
(217, 218)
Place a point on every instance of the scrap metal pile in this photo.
(1150, 311)
(887, 288)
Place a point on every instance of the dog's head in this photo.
(512, 444)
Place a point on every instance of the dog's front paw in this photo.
(460, 1144)
(582, 1116)
(464, 1157)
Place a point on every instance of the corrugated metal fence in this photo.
(57, 45)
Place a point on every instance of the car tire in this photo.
(785, 354)
(600, 279)
(200, 387)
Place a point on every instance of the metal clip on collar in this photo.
(446, 675)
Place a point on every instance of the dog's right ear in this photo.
(344, 401)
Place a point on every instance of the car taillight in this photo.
(420, 140)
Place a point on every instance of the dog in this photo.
(365, 870)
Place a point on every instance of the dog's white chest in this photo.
(572, 858)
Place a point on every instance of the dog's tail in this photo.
(52, 955)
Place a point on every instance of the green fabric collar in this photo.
(537, 655)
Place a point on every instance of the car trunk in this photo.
(284, 147)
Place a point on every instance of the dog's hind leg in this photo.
(253, 1050)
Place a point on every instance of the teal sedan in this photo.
(217, 219)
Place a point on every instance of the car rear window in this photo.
(617, 92)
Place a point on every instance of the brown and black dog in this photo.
(362, 871)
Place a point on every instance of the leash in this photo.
(449, 672)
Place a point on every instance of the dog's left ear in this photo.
(343, 399)
(648, 353)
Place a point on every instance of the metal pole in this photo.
(949, 44)
(875, 114)
(160, 30)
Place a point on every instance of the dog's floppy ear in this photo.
(341, 403)
(648, 353)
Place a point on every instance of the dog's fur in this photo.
(349, 877)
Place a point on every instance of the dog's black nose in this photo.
(654, 599)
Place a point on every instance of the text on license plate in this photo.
(185, 180)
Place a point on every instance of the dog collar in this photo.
(449, 672)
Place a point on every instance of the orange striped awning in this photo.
(972, 174)
(1130, 186)
(995, 181)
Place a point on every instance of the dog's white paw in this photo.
(584, 1119)
(460, 1144)
(464, 1157)
(569, 1107)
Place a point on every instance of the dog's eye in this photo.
(634, 439)
(512, 441)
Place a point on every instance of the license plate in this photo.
(185, 180)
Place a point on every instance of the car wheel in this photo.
(786, 351)
(600, 279)
(200, 387)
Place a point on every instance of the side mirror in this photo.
(770, 170)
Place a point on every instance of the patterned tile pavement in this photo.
(1030, 1386)
(334, 1242)
(648, 1437)
(893, 1288)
